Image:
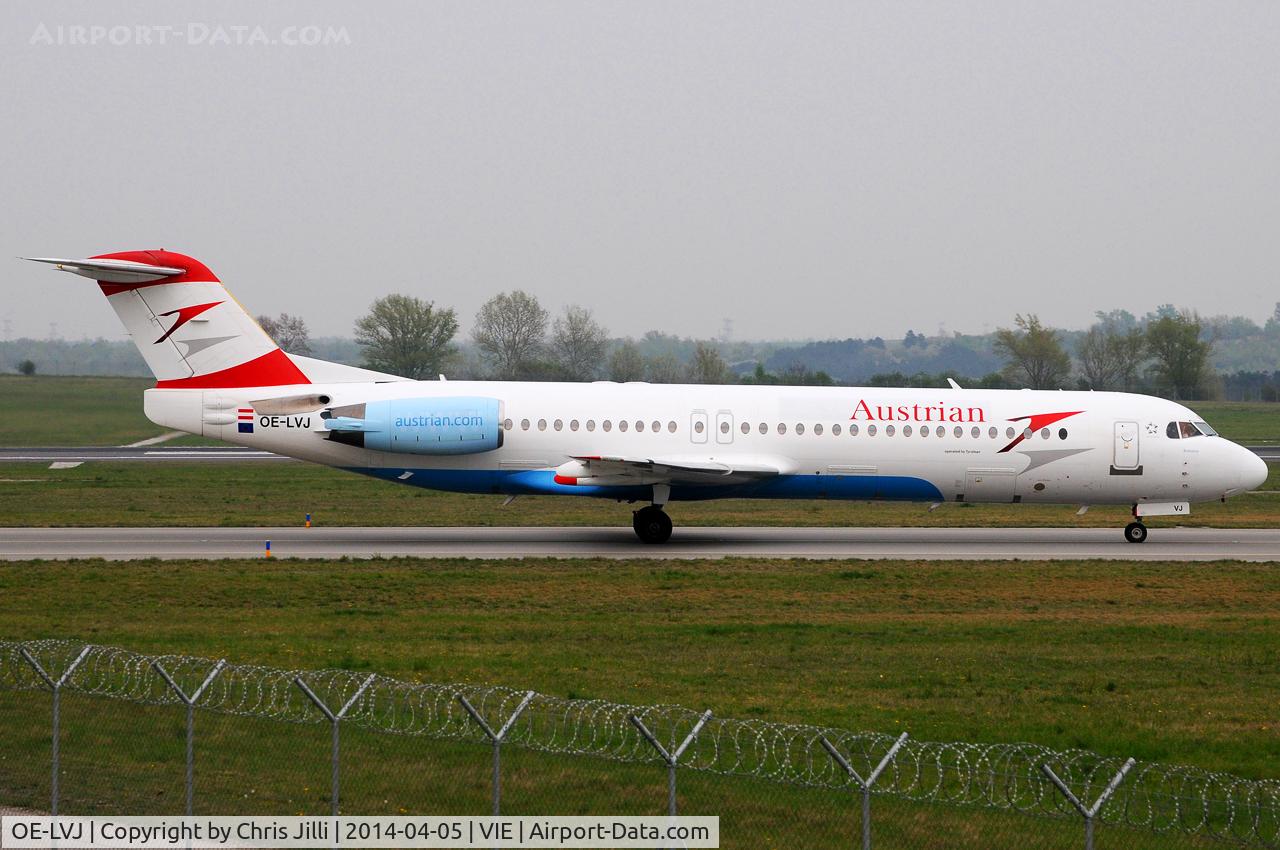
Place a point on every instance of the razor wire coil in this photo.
(1154, 797)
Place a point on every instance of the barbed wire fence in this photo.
(1160, 800)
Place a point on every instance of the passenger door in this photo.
(1126, 459)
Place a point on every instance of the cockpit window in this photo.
(1185, 430)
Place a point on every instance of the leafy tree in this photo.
(406, 336)
(289, 332)
(1033, 354)
(27, 368)
(510, 329)
(578, 343)
(708, 367)
(1110, 358)
(1181, 356)
(626, 363)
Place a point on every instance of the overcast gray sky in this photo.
(806, 170)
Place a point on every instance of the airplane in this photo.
(219, 375)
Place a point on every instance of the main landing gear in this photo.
(1135, 532)
(652, 524)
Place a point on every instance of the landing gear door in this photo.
(698, 426)
(1126, 458)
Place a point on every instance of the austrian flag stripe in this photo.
(244, 416)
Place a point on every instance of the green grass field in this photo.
(1176, 662)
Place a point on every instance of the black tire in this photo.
(1135, 532)
(652, 524)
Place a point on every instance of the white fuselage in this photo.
(846, 442)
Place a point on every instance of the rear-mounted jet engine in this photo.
(453, 425)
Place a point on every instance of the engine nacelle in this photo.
(447, 425)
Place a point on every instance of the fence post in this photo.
(55, 685)
(673, 758)
(1088, 812)
(864, 785)
(496, 739)
(189, 702)
(334, 720)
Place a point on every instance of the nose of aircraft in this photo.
(1253, 469)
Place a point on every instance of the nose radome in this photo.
(1253, 470)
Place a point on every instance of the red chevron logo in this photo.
(1037, 421)
(184, 314)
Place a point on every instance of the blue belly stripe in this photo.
(541, 482)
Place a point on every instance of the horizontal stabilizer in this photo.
(111, 271)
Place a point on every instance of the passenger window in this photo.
(542, 424)
(558, 425)
(573, 424)
(639, 425)
(1026, 433)
(1044, 433)
(906, 430)
(799, 427)
(976, 432)
(817, 429)
(924, 430)
(622, 425)
(1062, 433)
(1008, 432)
(671, 426)
(764, 428)
(835, 429)
(941, 432)
(888, 430)
(782, 429)
(606, 425)
(958, 431)
(724, 427)
(591, 424)
(745, 428)
(657, 426)
(507, 424)
(994, 432)
(871, 430)
(853, 429)
(698, 427)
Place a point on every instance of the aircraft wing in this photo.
(619, 470)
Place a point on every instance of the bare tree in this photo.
(1033, 354)
(626, 363)
(578, 344)
(510, 328)
(1110, 357)
(663, 369)
(708, 367)
(406, 336)
(289, 332)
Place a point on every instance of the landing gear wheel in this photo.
(652, 524)
(1135, 532)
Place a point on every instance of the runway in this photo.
(1164, 544)
(233, 454)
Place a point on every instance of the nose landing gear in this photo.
(1135, 532)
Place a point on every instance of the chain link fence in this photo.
(102, 730)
